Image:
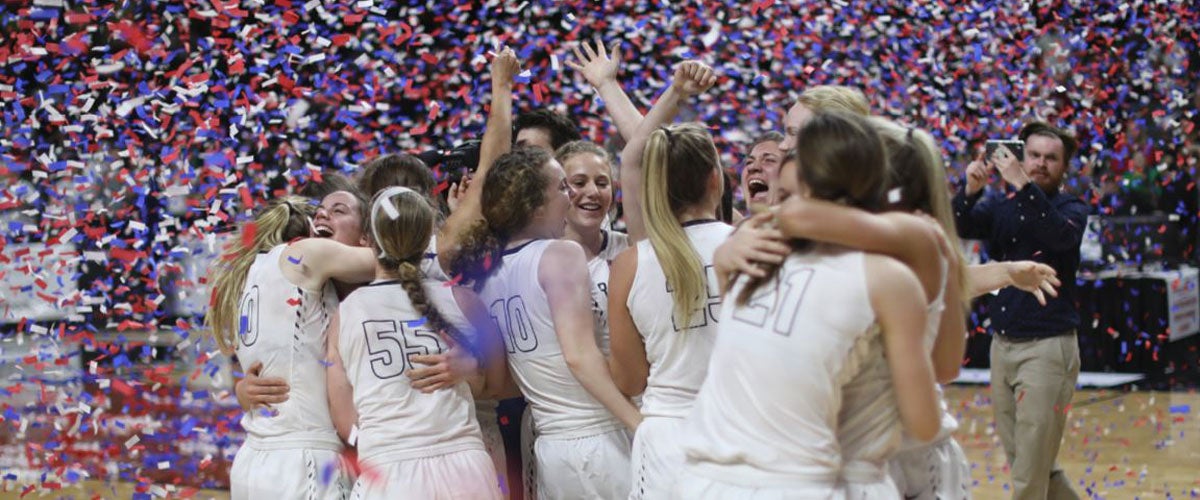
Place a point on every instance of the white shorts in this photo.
(939, 470)
(528, 465)
(595, 466)
(690, 485)
(493, 443)
(657, 457)
(462, 474)
(289, 473)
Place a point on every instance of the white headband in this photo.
(384, 199)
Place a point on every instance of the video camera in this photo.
(453, 163)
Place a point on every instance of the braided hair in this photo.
(401, 225)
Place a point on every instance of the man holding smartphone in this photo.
(1034, 353)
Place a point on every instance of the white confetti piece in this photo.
(894, 195)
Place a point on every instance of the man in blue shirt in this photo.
(1035, 354)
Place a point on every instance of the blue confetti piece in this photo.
(1180, 409)
(416, 322)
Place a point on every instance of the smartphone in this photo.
(1016, 147)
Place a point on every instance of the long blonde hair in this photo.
(401, 225)
(284, 220)
(919, 174)
(676, 166)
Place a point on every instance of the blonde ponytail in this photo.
(283, 220)
(666, 195)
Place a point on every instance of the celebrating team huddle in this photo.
(793, 353)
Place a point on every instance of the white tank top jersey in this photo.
(678, 356)
(614, 244)
(283, 326)
(767, 414)
(518, 304)
(429, 262)
(379, 330)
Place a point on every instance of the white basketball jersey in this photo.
(429, 262)
(283, 326)
(614, 244)
(767, 414)
(379, 330)
(678, 354)
(559, 404)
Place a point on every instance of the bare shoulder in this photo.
(563, 252)
(562, 262)
(888, 276)
(626, 259)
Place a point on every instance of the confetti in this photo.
(137, 137)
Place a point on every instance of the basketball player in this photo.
(765, 423)
(588, 168)
(537, 290)
(666, 354)
(341, 216)
(411, 442)
(271, 304)
(938, 470)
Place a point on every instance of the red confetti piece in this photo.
(249, 232)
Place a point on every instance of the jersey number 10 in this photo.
(512, 318)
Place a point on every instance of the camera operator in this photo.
(1034, 353)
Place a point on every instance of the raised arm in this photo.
(972, 218)
(1058, 228)
(691, 78)
(628, 362)
(600, 71)
(564, 277)
(497, 140)
(337, 384)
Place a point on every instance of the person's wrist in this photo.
(605, 84)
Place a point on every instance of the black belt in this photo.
(1018, 340)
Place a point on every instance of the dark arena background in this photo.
(136, 134)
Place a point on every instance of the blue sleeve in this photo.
(973, 216)
(1057, 228)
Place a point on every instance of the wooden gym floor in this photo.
(1120, 444)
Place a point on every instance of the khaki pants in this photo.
(1032, 385)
